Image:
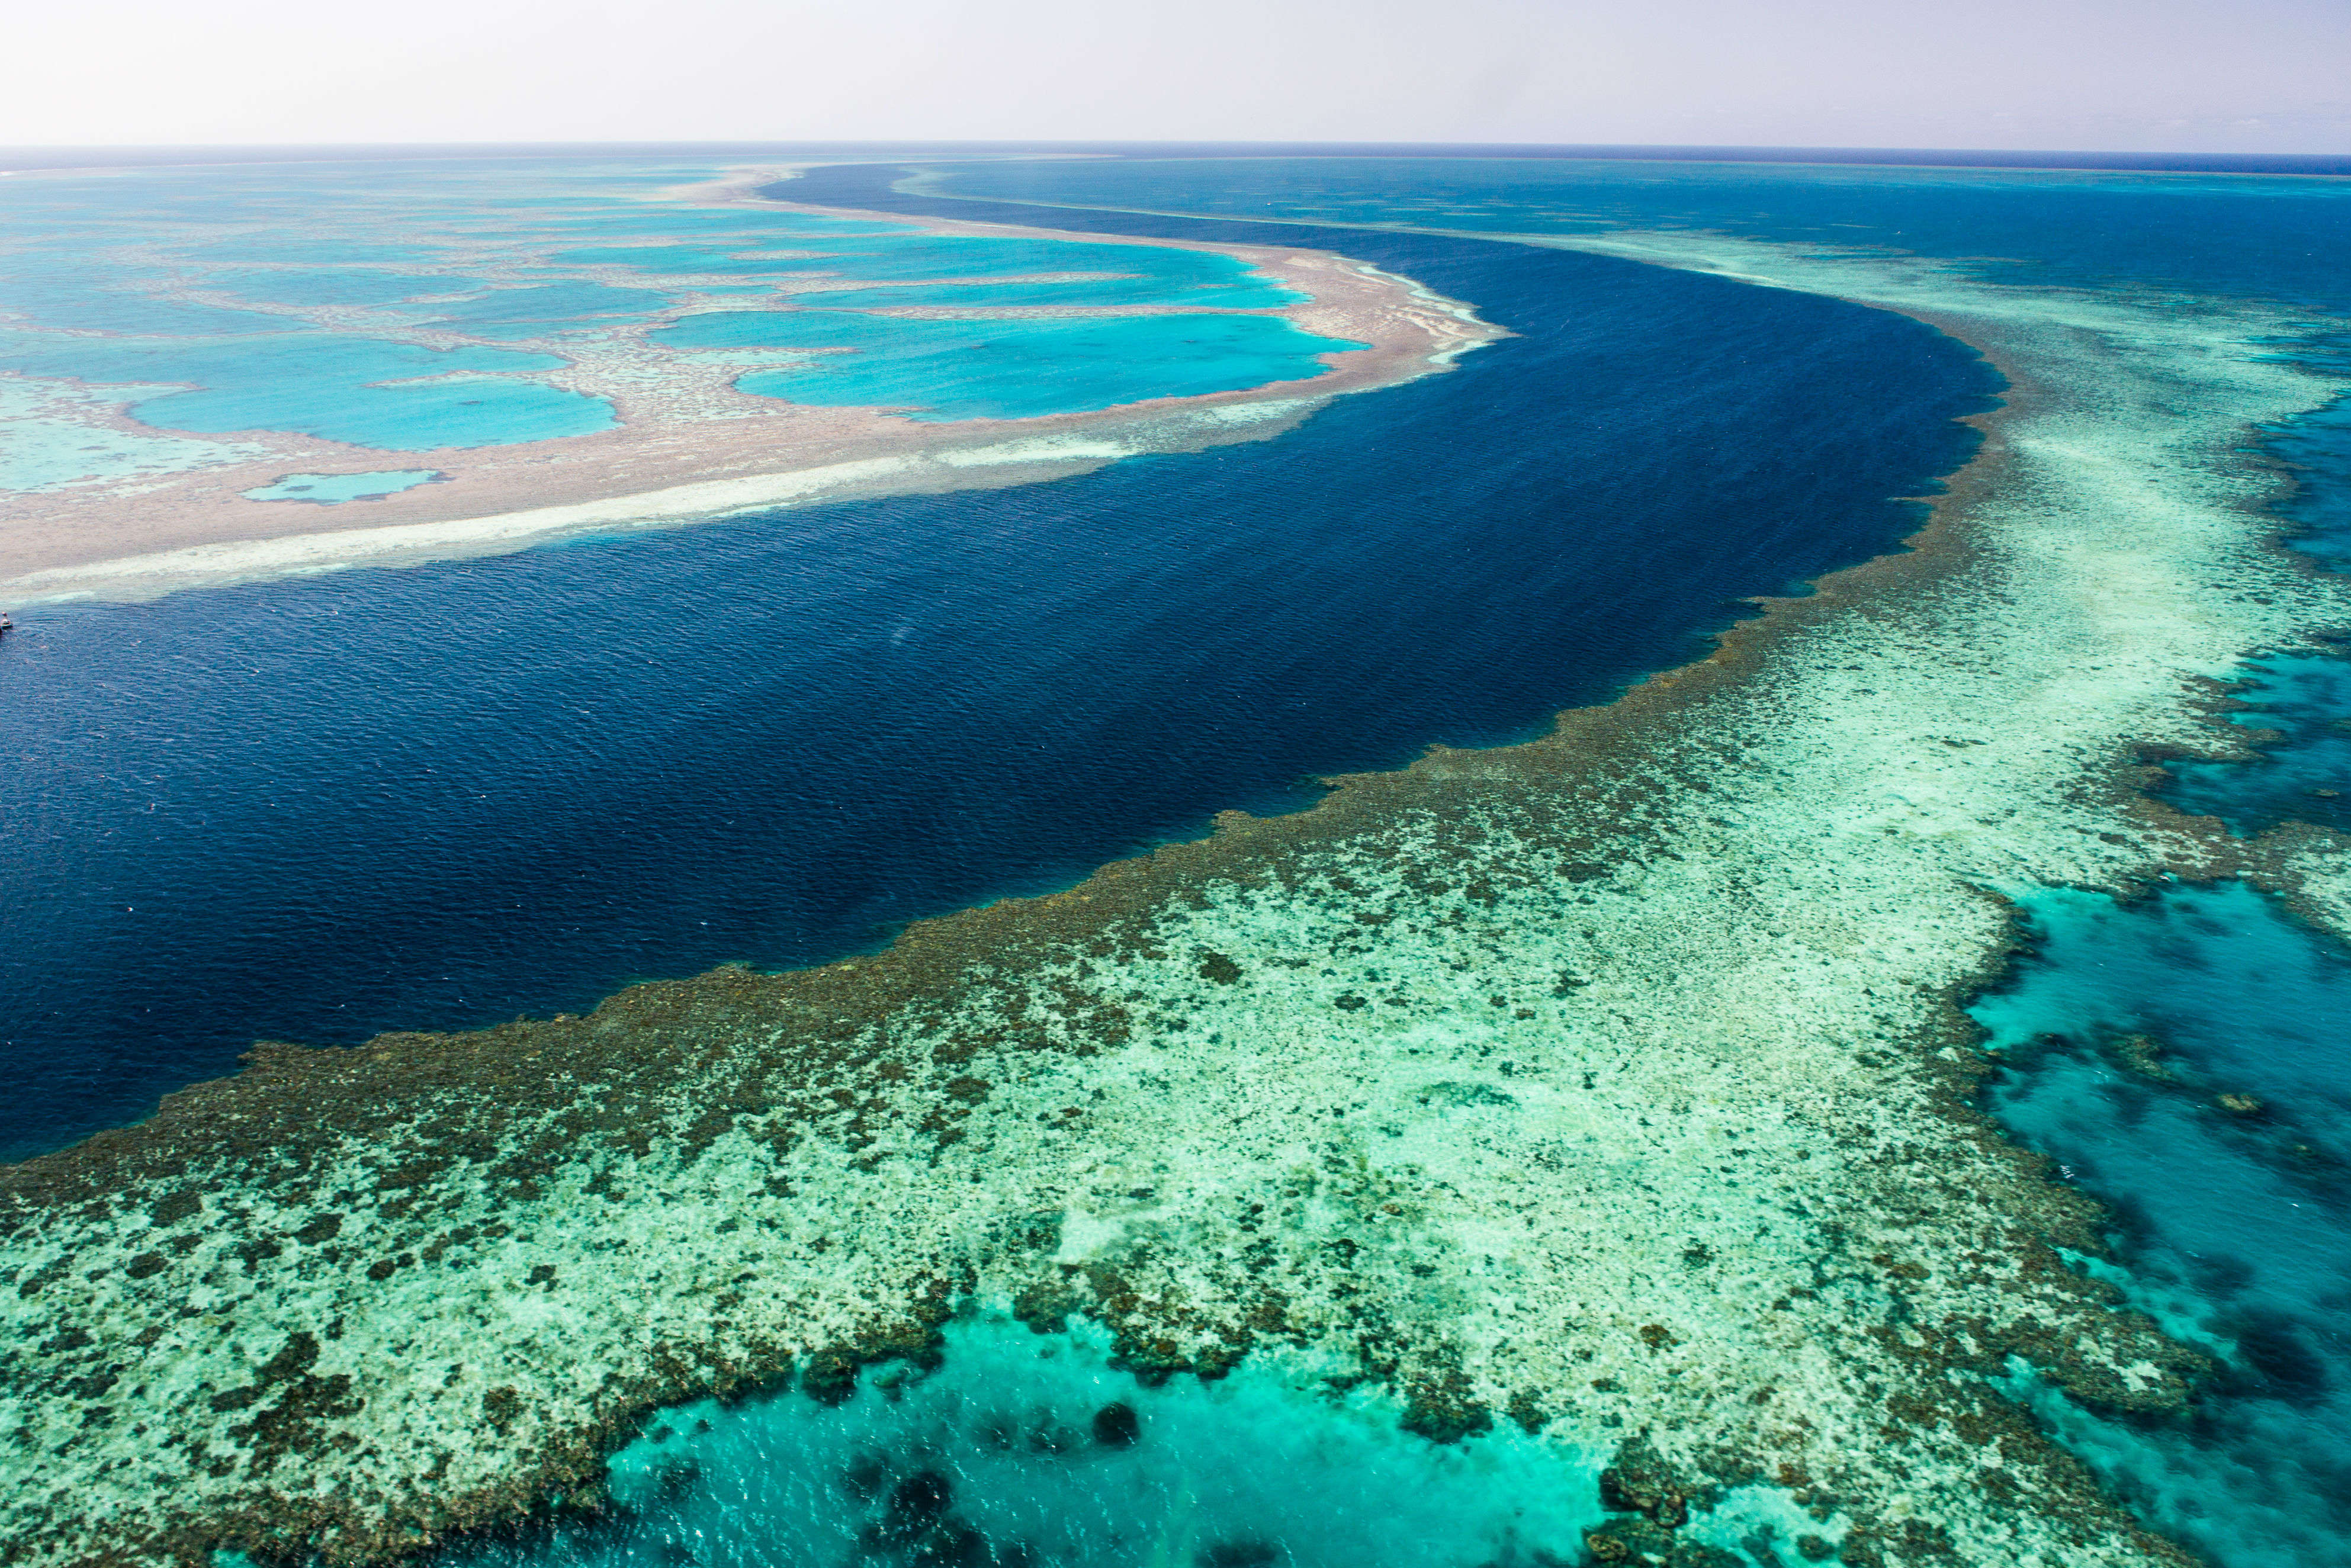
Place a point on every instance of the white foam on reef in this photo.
(1024, 458)
(1608, 1081)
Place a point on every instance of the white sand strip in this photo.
(1025, 459)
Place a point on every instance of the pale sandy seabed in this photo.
(1611, 1084)
(688, 446)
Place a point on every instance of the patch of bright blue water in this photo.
(544, 302)
(957, 257)
(753, 225)
(1094, 291)
(1122, 275)
(332, 489)
(691, 258)
(1035, 1449)
(2186, 1058)
(342, 285)
(536, 331)
(468, 411)
(2304, 775)
(326, 385)
(307, 250)
(71, 298)
(440, 796)
(1017, 368)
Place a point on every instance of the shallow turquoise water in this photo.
(330, 489)
(745, 257)
(544, 302)
(1035, 1448)
(2234, 1217)
(2304, 775)
(1086, 291)
(325, 384)
(73, 298)
(342, 286)
(1006, 369)
(1125, 274)
(297, 248)
(96, 271)
(483, 412)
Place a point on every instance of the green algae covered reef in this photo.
(1612, 1086)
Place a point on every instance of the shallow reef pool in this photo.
(2304, 773)
(359, 391)
(1018, 369)
(1020, 1447)
(333, 489)
(2186, 1058)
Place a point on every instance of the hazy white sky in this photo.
(2156, 75)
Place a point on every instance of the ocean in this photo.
(445, 796)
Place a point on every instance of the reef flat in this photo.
(558, 388)
(1613, 1085)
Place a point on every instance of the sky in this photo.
(2253, 76)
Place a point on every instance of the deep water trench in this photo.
(442, 797)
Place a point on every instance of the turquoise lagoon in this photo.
(1014, 368)
(1036, 1449)
(335, 285)
(2188, 1059)
(310, 299)
(332, 489)
(325, 384)
(1093, 292)
(2304, 772)
(1120, 273)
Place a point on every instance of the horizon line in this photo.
(59, 157)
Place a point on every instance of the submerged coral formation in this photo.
(1612, 1087)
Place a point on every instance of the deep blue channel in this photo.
(445, 796)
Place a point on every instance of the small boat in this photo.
(6, 625)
